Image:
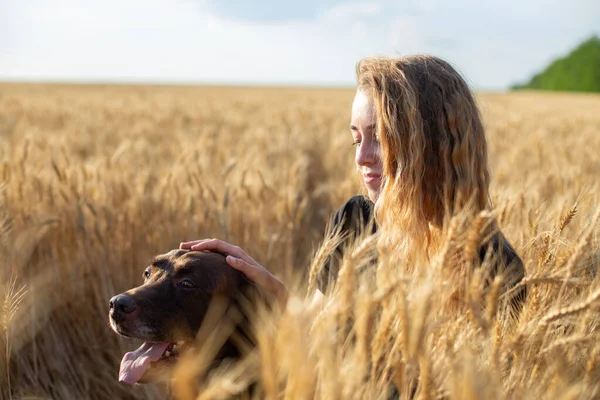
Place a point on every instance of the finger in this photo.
(254, 273)
(188, 245)
(245, 268)
(222, 247)
(260, 277)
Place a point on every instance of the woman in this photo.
(422, 154)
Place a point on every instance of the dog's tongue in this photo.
(135, 363)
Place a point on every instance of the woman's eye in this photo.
(186, 283)
(356, 143)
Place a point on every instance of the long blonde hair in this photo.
(433, 148)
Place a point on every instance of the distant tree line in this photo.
(578, 71)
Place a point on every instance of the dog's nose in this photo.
(122, 304)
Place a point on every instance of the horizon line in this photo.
(196, 83)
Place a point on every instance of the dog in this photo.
(169, 308)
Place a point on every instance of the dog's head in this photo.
(166, 311)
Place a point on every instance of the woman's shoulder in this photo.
(505, 261)
(358, 210)
(349, 221)
(499, 246)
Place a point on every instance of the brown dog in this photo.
(168, 310)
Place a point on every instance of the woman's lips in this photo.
(371, 179)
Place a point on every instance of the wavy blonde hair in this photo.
(433, 148)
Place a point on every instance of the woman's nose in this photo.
(367, 153)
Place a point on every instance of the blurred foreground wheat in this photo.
(95, 181)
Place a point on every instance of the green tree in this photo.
(578, 71)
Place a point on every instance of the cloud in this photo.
(404, 35)
(349, 11)
(266, 11)
(493, 44)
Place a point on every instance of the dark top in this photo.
(356, 215)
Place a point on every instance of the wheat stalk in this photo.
(567, 218)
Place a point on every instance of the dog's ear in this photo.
(250, 291)
(243, 280)
(244, 284)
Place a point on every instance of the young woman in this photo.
(422, 153)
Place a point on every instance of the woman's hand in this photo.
(238, 259)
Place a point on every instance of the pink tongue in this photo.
(135, 363)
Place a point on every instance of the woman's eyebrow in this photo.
(370, 127)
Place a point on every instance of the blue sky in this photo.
(315, 42)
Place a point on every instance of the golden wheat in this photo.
(96, 180)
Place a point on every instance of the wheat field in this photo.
(96, 180)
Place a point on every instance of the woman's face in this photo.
(364, 135)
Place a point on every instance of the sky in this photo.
(288, 42)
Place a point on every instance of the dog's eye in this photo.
(186, 283)
(147, 273)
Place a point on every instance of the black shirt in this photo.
(351, 220)
(356, 215)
